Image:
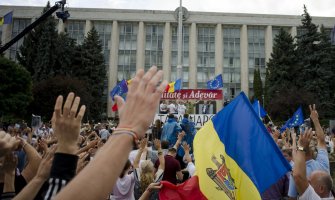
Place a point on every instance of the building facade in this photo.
(213, 43)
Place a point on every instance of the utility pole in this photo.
(180, 44)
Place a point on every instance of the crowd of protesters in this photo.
(71, 160)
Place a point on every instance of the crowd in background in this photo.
(123, 162)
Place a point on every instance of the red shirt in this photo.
(172, 166)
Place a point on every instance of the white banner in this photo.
(198, 119)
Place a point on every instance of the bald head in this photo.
(322, 183)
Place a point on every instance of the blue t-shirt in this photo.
(320, 163)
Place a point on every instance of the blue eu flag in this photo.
(216, 83)
(296, 120)
(119, 89)
(259, 109)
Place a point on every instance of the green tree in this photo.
(324, 75)
(89, 67)
(281, 77)
(258, 86)
(315, 62)
(39, 50)
(46, 92)
(15, 90)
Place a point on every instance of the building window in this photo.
(76, 30)
(104, 30)
(185, 53)
(154, 46)
(127, 51)
(18, 26)
(256, 53)
(231, 62)
(206, 55)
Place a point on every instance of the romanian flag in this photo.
(7, 19)
(235, 156)
(174, 86)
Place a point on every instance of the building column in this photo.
(88, 27)
(293, 31)
(268, 43)
(218, 58)
(193, 57)
(167, 43)
(140, 53)
(244, 60)
(60, 26)
(6, 36)
(113, 68)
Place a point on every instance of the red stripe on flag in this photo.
(167, 88)
(188, 190)
(114, 108)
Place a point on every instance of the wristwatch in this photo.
(301, 148)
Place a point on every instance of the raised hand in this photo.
(305, 139)
(44, 169)
(314, 113)
(143, 143)
(7, 143)
(66, 121)
(142, 100)
(157, 144)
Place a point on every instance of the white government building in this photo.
(231, 44)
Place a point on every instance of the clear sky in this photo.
(287, 7)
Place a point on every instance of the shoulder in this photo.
(309, 194)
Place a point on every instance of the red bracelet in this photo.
(127, 129)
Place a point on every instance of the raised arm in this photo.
(161, 159)
(299, 170)
(30, 191)
(179, 140)
(143, 145)
(7, 143)
(136, 114)
(66, 122)
(34, 160)
(318, 129)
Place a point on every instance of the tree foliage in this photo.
(46, 92)
(15, 90)
(89, 67)
(258, 86)
(47, 54)
(301, 73)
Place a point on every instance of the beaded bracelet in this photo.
(131, 133)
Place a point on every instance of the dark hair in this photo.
(165, 144)
(186, 115)
(288, 151)
(171, 116)
(172, 150)
(126, 167)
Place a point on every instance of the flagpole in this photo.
(180, 44)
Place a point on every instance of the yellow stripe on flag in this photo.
(208, 145)
(2, 20)
(171, 87)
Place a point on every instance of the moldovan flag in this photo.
(174, 86)
(235, 156)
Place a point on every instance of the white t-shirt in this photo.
(163, 107)
(181, 109)
(172, 108)
(310, 194)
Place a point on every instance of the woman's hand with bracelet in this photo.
(142, 100)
